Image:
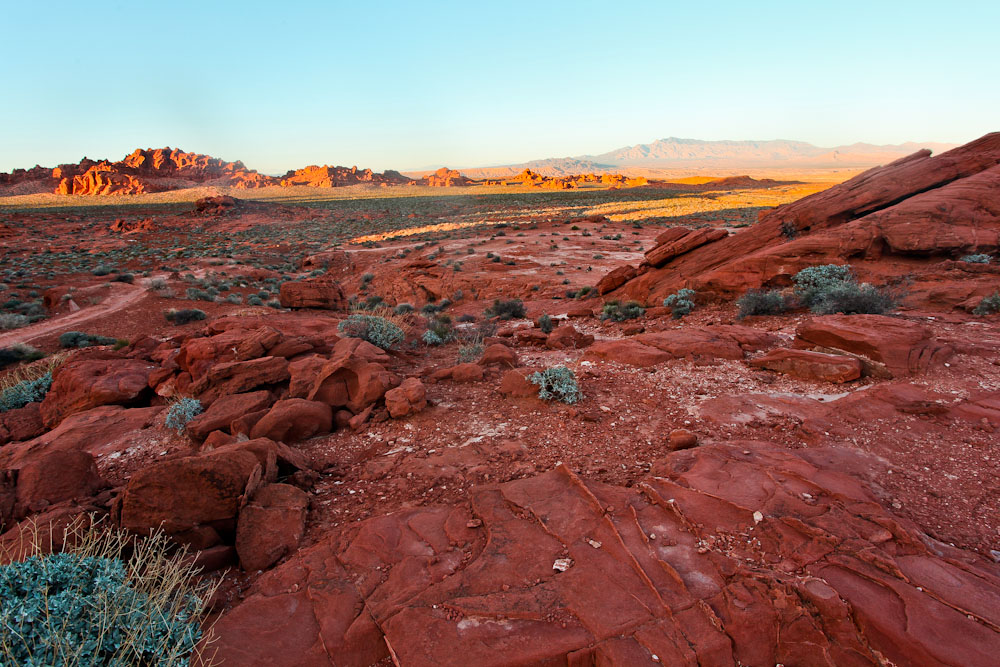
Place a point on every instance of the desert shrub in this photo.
(470, 353)
(181, 412)
(403, 309)
(184, 315)
(761, 302)
(12, 321)
(466, 318)
(680, 303)
(80, 339)
(28, 390)
(789, 230)
(157, 284)
(124, 278)
(556, 383)
(107, 599)
(372, 303)
(254, 300)
(989, 305)
(439, 330)
(812, 282)
(616, 311)
(430, 308)
(851, 298)
(196, 294)
(506, 309)
(17, 353)
(376, 330)
(545, 324)
(976, 259)
(101, 270)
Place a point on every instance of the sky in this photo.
(413, 85)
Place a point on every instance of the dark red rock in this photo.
(811, 365)
(294, 419)
(406, 399)
(78, 386)
(271, 525)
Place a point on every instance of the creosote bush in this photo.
(545, 324)
(375, 329)
(184, 315)
(680, 303)
(616, 311)
(80, 339)
(813, 281)
(556, 383)
(989, 305)
(761, 302)
(506, 309)
(181, 412)
(853, 299)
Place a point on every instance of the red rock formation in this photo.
(333, 177)
(883, 222)
(445, 177)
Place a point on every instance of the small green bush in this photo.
(471, 353)
(181, 412)
(80, 339)
(506, 310)
(545, 324)
(853, 299)
(977, 259)
(761, 302)
(680, 303)
(989, 305)
(616, 311)
(557, 383)
(184, 315)
(376, 330)
(13, 321)
(403, 309)
(812, 282)
(26, 391)
(18, 353)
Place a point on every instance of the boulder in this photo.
(319, 293)
(515, 384)
(221, 413)
(810, 365)
(351, 382)
(616, 278)
(627, 351)
(679, 240)
(21, 424)
(902, 346)
(567, 337)
(294, 419)
(78, 386)
(271, 525)
(406, 399)
(470, 372)
(54, 476)
(498, 354)
(234, 377)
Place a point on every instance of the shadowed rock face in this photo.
(917, 209)
(728, 554)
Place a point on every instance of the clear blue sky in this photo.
(415, 84)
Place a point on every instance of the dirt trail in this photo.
(129, 295)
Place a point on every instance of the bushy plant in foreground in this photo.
(26, 391)
(470, 353)
(989, 305)
(761, 302)
(108, 599)
(616, 311)
(181, 412)
(557, 383)
(374, 329)
(545, 324)
(506, 310)
(680, 304)
(813, 281)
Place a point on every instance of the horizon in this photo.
(465, 87)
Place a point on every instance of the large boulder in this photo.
(810, 365)
(54, 476)
(271, 525)
(902, 346)
(239, 376)
(78, 386)
(294, 419)
(679, 240)
(406, 399)
(221, 413)
(567, 337)
(21, 424)
(320, 293)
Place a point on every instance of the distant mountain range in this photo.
(675, 153)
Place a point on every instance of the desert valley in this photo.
(572, 419)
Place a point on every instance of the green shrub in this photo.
(80, 339)
(196, 294)
(506, 310)
(403, 309)
(557, 383)
(101, 270)
(124, 278)
(617, 311)
(12, 321)
(181, 412)
(545, 324)
(812, 282)
(184, 315)
(989, 305)
(761, 302)
(254, 300)
(95, 605)
(431, 338)
(17, 353)
(853, 299)
(376, 330)
(26, 391)
(470, 353)
(977, 259)
(680, 304)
